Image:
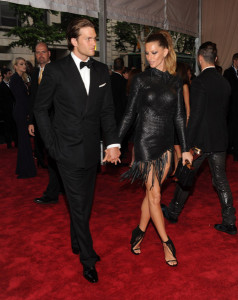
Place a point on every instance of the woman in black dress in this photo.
(156, 98)
(25, 162)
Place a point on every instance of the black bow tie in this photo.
(86, 64)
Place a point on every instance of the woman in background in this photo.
(25, 162)
(182, 73)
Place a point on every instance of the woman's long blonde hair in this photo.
(165, 40)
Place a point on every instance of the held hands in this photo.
(112, 155)
(31, 129)
(187, 156)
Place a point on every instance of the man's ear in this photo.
(74, 42)
(216, 59)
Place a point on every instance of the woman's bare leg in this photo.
(154, 198)
(132, 156)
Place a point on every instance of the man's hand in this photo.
(187, 156)
(31, 129)
(112, 155)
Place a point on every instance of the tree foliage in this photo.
(129, 35)
(33, 27)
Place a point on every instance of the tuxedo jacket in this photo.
(209, 100)
(73, 134)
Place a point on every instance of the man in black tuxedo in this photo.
(207, 130)
(231, 75)
(7, 103)
(79, 89)
(50, 195)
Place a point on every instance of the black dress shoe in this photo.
(90, 274)
(45, 200)
(167, 215)
(230, 229)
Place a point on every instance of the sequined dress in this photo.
(156, 102)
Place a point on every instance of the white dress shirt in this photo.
(84, 72)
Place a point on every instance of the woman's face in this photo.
(155, 55)
(20, 67)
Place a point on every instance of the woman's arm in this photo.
(131, 108)
(186, 101)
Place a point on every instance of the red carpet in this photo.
(37, 263)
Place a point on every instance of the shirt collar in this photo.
(76, 59)
(44, 66)
(210, 67)
(234, 68)
(117, 73)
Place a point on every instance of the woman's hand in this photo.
(187, 156)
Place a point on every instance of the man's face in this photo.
(8, 75)
(42, 55)
(235, 63)
(84, 45)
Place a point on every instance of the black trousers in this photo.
(39, 145)
(55, 184)
(217, 164)
(79, 186)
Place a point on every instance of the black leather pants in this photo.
(217, 163)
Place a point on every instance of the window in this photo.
(7, 17)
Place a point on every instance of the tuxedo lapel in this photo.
(92, 87)
(76, 82)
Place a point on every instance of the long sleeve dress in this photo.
(25, 162)
(156, 100)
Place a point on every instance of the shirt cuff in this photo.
(114, 145)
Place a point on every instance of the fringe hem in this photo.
(140, 169)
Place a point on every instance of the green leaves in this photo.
(33, 27)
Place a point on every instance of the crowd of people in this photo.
(67, 106)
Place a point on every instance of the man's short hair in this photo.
(118, 64)
(42, 43)
(208, 51)
(73, 30)
(235, 57)
(5, 71)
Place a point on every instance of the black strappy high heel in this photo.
(172, 249)
(136, 239)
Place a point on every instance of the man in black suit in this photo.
(50, 195)
(79, 89)
(42, 55)
(118, 89)
(207, 130)
(231, 75)
(7, 103)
